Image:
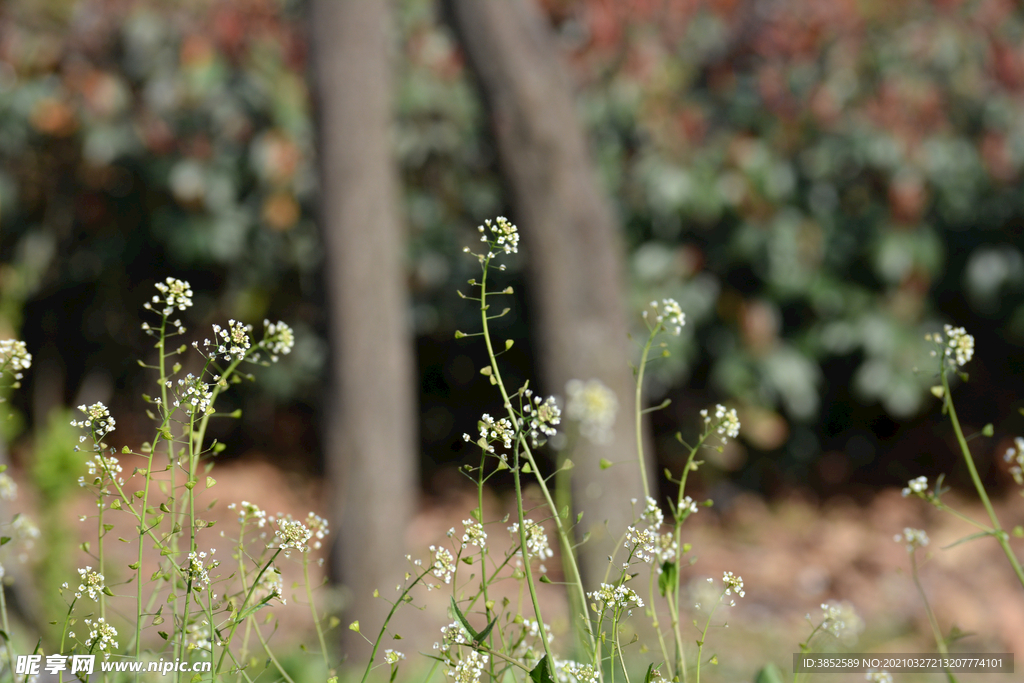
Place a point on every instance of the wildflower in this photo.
(652, 514)
(841, 620)
(101, 467)
(879, 676)
(250, 512)
(92, 583)
(292, 534)
(470, 668)
(176, 294)
(269, 586)
(670, 315)
(197, 572)
(318, 526)
(507, 234)
(97, 420)
(914, 538)
(916, 486)
(593, 406)
(14, 354)
(541, 416)
(536, 539)
(733, 583)
(496, 430)
(452, 634)
(101, 636)
(583, 673)
(688, 506)
(278, 339)
(392, 656)
(641, 543)
(474, 535)
(195, 395)
(8, 488)
(618, 596)
(444, 563)
(960, 346)
(666, 548)
(727, 422)
(25, 529)
(1015, 454)
(232, 342)
(198, 636)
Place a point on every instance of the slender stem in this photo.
(638, 409)
(387, 620)
(1000, 535)
(312, 608)
(940, 642)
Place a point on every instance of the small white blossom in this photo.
(452, 634)
(392, 656)
(444, 563)
(593, 406)
(642, 543)
(292, 534)
(14, 355)
(959, 347)
(176, 294)
(653, 515)
(1015, 454)
(841, 620)
(8, 488)
(496, 430)
(92, 583)
(918, 485)
(318, 527)
(914, 538)
(670, 315)
(541, 416)
(504, 235)
(97, 420)
(474, 534)
(470, 668)
(618, 597)
(278, 339)
(583, 673)
(101, 636)
(536, 540)
(733, 583)
(726, 422)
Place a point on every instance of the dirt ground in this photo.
(792, 555)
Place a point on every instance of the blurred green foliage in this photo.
(818, 184)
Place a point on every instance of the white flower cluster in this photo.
(174, 294)
(392, 656)
(1015, 454)
(194, 394)
(318, 527)
(232, 342)
(101, 467)
(841, 620)
(452, 634)
(101, 636)
(197, 571)
(97, 420)
(583, 673)
(493, 430)
(914, 538)
(916, 486)
(958, 347)
(198, 636)
(470, 668)
(727, 422)
(474, 534)
(642, 543)
(8, 487)
(278, 339)
(270, 585)
(669, 314)
(618, 597)
(506, 235)
(536, 540)
(444, 563)
(541, 416)
(92, 583)
(733, 583)
(14, 355)
(292, 534)
(250, 512)
(593, 406)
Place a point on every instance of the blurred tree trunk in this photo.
(574, 244)
(370, 446)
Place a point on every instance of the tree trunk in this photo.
(370, 445)
(573, 243)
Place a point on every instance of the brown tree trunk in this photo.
(572, 239)
(370, 446)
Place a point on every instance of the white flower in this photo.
(278, 339)
(733, 583)
(726, 422)
(470, 668)
(97, 420)
(101, 636)
(392, 656)
(505, 234)
(593, 406)
(292, 534)
(8, 488)
(250, 512)
(452, 634)
(653, 515)
(618, 596)
(92, 583)
(536, 539)
(197, 572)
(177, 294)
(959, 347)
(1015, 454)
(583, 673)
(232, 342)
(474, 535)
(914, 538)
(195, 395)
(541, 415)
(642, 543)
(444, 563)
(14, 354)
(918, 486)
(841, 620)
(496, 430)
(670, 315)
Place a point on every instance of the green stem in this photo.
(312, 608)
(940, 642)
(638, 409)
(387, 620)
(1000, 535)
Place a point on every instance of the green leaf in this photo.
(650, 673)
(605, 463)
(162, 634)
(542, 672)
(465, 622)
(769, 673)
(487, 630)
(4, 540)
(965, 539)
(668, 578)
